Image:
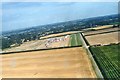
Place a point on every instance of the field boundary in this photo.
(102, 33)
(100, 29)
(58, 36)
(40, 49)
(94, 64)
(85, 40)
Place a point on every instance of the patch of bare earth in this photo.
(105, 39)
(57, 63)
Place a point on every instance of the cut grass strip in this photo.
(78, 39)
(73, 41)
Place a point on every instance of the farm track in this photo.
(106, 58)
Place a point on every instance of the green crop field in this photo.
(107, 60)
(78, 39)
(75, 40)
(72, 41)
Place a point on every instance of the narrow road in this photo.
(95, 66)
(83, 41)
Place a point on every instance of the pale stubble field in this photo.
(57, 63)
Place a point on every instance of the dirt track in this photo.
(69, 62)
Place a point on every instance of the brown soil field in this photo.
(59, 34)
(101, 31)
(39, 44)
(104, 39)
(57, 63)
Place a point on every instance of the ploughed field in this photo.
(62, 63)
(107, 58)
(103, 39)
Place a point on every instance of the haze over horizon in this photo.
(19, 15)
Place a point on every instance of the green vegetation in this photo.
(78, 39)
(107, 60)
(75, 40)
(114, 23)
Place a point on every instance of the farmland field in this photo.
(57, 63)
(59, 34)
(55, 42)
(89, 33)
(107, 60)
(75, 40)
(104, 39)
(103, 27)
(41, 44)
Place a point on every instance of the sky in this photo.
(20, 15)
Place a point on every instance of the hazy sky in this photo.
(18, 15)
